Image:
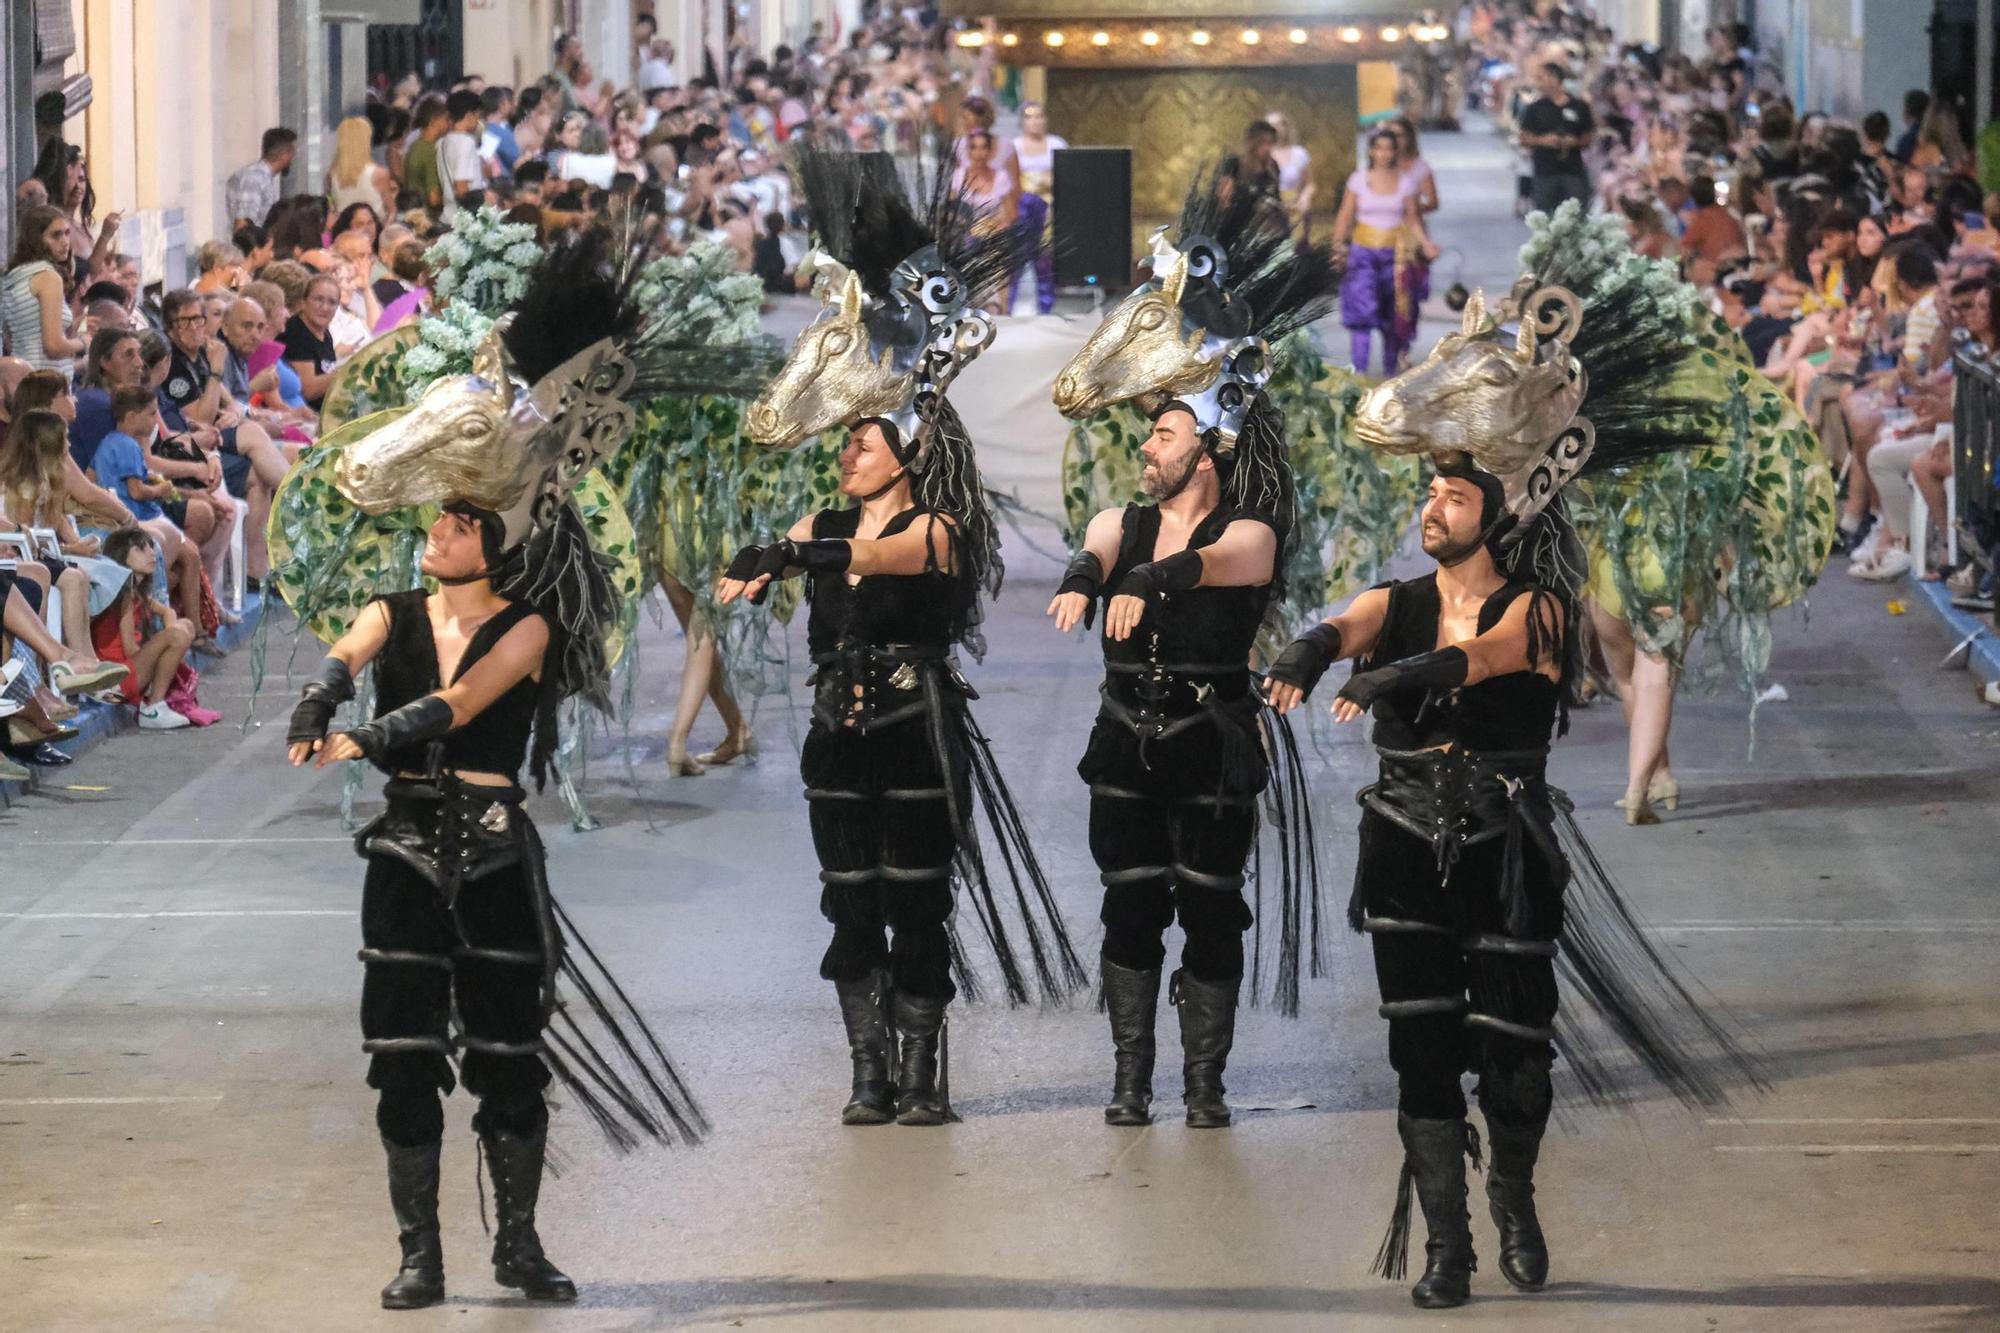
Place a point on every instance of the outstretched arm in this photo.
(515, 658)
(334, 683)
(1500, 651)
(1084, 579)
(1348, 634)
(1245, 555)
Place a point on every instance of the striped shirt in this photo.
(21, 317)
(1920, 329)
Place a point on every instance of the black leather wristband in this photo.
(1084, 574)
(319, 700)
(425, 719)
(1442, 670)
(824, 555)
(1176, 573)
(1307, 657)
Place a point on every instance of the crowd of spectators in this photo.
(182, 410)
(1851, 257)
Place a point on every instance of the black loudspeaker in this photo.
(1092, 217)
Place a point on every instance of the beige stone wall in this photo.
(1176, 121)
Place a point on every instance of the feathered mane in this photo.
(867, 221)
(1635, 340)
(579, 293)
(1284, 282)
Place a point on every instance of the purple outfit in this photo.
(1032, 221)
(1382, 292)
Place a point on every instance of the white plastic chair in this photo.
(232, 562)
(1920, 527)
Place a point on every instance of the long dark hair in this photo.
(30, 229)
(345, 221)
(118, 544)
(52, 170)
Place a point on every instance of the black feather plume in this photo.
(579, 293)
(1285, 282)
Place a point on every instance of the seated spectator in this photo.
(32, 495)
(44, 390)
(410, 284)
(254, 244)
(34, 297)
(219, 268)
(114, 361)
(1712, 235)
(274, 385)
(120, 465)
(393, 238)
(32, 731)
(308, 339)
(1647, 228)
(154, 657)
(354, 323)
(356, 220)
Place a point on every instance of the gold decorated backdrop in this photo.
(1177, 120)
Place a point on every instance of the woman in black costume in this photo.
(893, 764)
(466, 952)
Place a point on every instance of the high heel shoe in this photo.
(1664, 790)
(681, 766)
(1638, 810)
(736, 745)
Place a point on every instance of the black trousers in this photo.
(428, 961)
(882, 828)
(1455, 959)
(1548, 192)
(1171, 826)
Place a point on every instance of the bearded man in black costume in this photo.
(1177, 760)
(1472, 881)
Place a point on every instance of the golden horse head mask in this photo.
(866, 358)
(1178, 337)
(492, 441)
(1508, 405)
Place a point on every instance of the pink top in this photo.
(1384, 211)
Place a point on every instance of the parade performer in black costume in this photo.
(466, 951)
(1473, 883)
(1178, 758)
(893, 764)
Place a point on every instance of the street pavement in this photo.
(185, 1141)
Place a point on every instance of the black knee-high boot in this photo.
(1208, 1030)
(413, 1195)
(864, 1006)
(1133, 1000)
(919, 1025)
(516, 1163)
(1512, 1151)
(1434, 1155)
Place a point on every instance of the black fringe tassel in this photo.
(1644, 998)
(1288, 812)
(1392, 1260)
(607, 1057)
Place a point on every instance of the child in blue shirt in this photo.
(120, 462)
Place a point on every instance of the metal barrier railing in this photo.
(1975, 430)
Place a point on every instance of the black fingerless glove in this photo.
(743, 564)
(1179, 572)
(822, 555)
(1307, 657)
(321, 698)
(1085, 577)
(426, 719)
(1442, 670)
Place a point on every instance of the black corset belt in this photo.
(448, 831)
(1159, 700)
(862, 686)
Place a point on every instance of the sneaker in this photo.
(1973, 601)
(1893, 563)
(159, 717)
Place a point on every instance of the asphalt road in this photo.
(185, 1141)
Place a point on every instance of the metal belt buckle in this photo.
(1203, 692)
(495, 818)
(904, 677)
